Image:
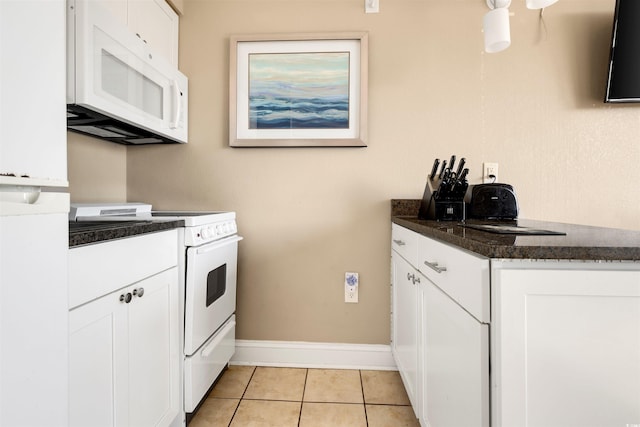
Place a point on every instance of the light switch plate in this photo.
(372, 6)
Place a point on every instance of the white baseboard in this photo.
(314, 355)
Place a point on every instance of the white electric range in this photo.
(208, 275)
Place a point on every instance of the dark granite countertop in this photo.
(85, 233)
(580, 242)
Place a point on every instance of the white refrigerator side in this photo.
(33, 222)
(33, 85)
(34, 316)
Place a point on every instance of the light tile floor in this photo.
(282, 397)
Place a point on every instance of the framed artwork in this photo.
(298, 90)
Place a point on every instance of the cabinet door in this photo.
(566, 347)
(156, 23)
(154, 350)
(124, 358)
(118, 8)
(98, 365)
(456, 362)
(405, 324)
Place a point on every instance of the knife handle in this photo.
(444, 166)
(463, 177)
(461, 166)
(434, 169)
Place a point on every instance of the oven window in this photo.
(216, 284)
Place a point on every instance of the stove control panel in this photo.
(197, 235)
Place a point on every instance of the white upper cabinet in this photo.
(118, 8)
(154, 21)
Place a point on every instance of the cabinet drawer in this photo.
(460, 274)
(98, 269)
(404, 242)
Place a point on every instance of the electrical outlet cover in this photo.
(351, 281)
(489, 173)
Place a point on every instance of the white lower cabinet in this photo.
(153, 358)
(405, 325)
(456, 363)
(98, 364)
(124, 349)
(566, 344)
(514, 342)
(442, 351)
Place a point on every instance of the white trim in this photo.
(314, 355)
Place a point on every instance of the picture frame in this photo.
(298, 90)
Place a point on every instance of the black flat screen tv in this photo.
(623, 83)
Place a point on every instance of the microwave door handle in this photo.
(177, 105)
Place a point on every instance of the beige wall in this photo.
(309, 215)
(97, 169)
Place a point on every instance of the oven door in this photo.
(210, 290)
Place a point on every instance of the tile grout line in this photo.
(364, 402)
(242, 397)
(304, 390)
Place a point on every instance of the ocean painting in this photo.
(299, 90)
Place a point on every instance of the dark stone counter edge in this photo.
(119, 232)
(404, 213)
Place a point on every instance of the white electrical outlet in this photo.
(351, 282)
(490, 173)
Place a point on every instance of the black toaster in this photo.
(493, 201)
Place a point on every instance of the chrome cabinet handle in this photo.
(399, 242)
(434, 266)
(138, 292)
(126, 298)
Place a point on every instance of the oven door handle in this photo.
(215, 245)
(208, 349)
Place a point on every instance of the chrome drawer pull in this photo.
(399, 242)
(434, 266)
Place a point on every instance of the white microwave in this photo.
(118, 89)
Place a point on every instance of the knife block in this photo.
(427, 209)
(450, 210)
(450, 207)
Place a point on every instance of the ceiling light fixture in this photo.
(497, 33)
